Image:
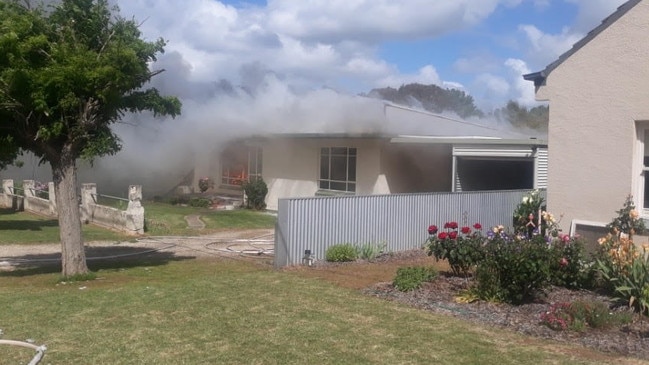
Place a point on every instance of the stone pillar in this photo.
(7, 192)
(29, 192)
(135, 210)
(88, 201)
(52, 197)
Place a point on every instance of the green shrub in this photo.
(570, 266)
(255, 191)
(514, 270)
(369, 251)
(342, 252)
(411, 278)
(200, 202)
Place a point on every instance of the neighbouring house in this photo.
(377, 147)
(598, 92)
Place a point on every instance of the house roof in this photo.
(373, 118)
(540, 76)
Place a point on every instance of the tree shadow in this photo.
(98, 258)
(27, 225)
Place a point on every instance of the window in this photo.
(239, 164)
(643, 191)
(338, 169)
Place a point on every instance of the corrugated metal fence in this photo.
(399, 220)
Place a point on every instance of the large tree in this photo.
(67, 73)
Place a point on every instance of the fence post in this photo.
(88, 194)
(29, 192)
(7, 192)
(135, 210)
(52, 198)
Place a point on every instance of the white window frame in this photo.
(350, 185)
(252, 170)
(640, 171)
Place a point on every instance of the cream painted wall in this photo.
(595, 96)
(291, 166)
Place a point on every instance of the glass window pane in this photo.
(352, 151)
(338, 186)
(340, 151)
(324, 151)
(338, 168)
(324, 184)
(351, 187)
(351, 171)
(324, 167)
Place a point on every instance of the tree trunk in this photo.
(73, 255)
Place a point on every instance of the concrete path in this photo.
(194, 222)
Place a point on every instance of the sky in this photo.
(482, 47)
(244, 67)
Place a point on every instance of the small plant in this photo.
(200, 202)
(78, 277)
(369, 251)
(342, 252)
(256, 191)
(411, 278)
(578, 315)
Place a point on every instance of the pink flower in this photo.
(563, 262)
(442, 235)
(477, 226)
(466, 230)
(432, 229)
(452, 235)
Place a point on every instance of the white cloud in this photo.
(524, 90)
(425, 75)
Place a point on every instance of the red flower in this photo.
(452, 235)
(442, 235)
(477, 226)
(466, 230)
(451, 225)
(432, 229)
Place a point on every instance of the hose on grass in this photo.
(40, 350)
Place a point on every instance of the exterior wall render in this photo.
(596, 96)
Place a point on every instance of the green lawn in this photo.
(22, 227)
(234, 312)
(166, 219)
(161, 219)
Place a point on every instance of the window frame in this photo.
(641, 168)
(254, 156)
(328, 183)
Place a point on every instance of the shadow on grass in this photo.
(27, 225)
(98, 258)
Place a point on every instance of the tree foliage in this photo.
(521, 117)
(67, 73)
(432, 98)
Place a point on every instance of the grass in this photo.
(166, 219)
(161, 219)
(22, 227)
(235, 312)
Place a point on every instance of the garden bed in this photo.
(439, 296)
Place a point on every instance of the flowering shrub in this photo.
(623, 266)
(511, 267)
(526, 215)
(463, 250)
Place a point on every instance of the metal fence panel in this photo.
(398, 220)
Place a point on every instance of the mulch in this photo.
(439, 296)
